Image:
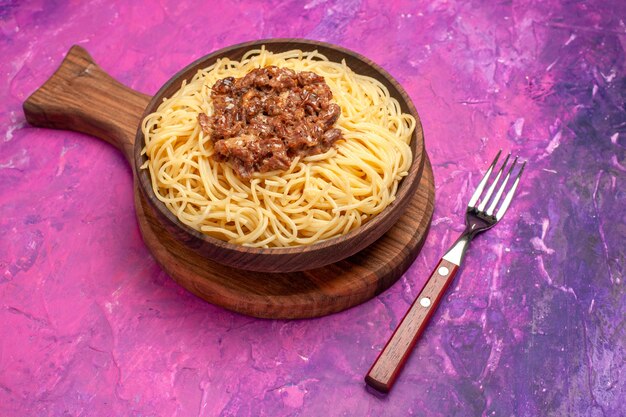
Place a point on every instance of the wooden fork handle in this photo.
(391, 359)
(80, 96)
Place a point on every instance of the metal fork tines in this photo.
(496, 199)
(477, 219)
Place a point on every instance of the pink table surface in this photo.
(533, 325)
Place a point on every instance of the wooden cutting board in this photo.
(80, 96)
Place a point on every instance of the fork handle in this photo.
(391, 359)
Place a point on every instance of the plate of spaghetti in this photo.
(280, 178)
(277, 150)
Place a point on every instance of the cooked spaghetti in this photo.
(317, 197)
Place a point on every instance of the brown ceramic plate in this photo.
(299, 257)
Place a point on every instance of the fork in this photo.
(481, 215)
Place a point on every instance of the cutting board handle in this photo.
(80, 96)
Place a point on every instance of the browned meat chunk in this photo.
(264, 120)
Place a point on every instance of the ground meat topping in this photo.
(264, 120)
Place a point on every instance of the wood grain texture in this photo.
(82, 97)
(312, 293)
(301, 257)
(385, 370)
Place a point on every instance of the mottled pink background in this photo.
(534, 324)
